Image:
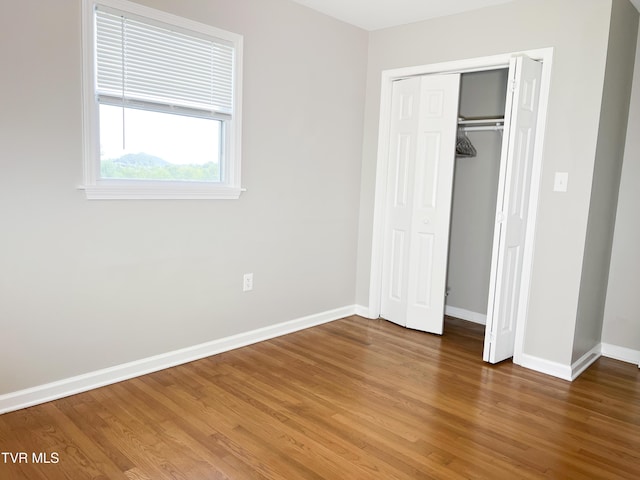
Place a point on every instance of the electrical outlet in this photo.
(247, 282)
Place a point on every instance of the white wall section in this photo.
(623, 34)
(622, 311)
(86, 285)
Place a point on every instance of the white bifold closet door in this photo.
(419, 185)
(421, 157)
(512, 210)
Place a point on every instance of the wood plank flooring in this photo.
(353, 399)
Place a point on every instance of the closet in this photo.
(475, 190)
(454, 227)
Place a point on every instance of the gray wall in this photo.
(482, 94)
(622, 312)
(90, 284)
(578, 31)
(623, 35)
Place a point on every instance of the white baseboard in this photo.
(585, 361)
(561, 370)
(363, 311)
(99, 378)
(467, 315)
(623, 354)
(547, 367)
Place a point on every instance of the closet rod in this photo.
(481, 121)
(483, 128)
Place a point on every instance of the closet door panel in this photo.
(421, 160)
(432, 208)
(402, 150)
(513, 208)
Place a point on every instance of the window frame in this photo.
(97, 188)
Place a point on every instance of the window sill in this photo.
(174, 191)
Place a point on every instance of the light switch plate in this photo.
(561, 181)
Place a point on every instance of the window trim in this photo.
(107, 189)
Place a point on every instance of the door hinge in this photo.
(513, 86)
(500, 217)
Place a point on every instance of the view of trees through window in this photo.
(142, 166)
(140, 144)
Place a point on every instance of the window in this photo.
(161, 106)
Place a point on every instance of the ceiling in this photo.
(376, 14)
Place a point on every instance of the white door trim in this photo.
(545, 55)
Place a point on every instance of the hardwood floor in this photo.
(352, 399)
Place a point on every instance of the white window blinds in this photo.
(144, 62)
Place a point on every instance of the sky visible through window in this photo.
(158, 146)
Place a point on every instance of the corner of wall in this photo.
(621, 328)
(614, 113)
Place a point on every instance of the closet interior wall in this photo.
(482, 94)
